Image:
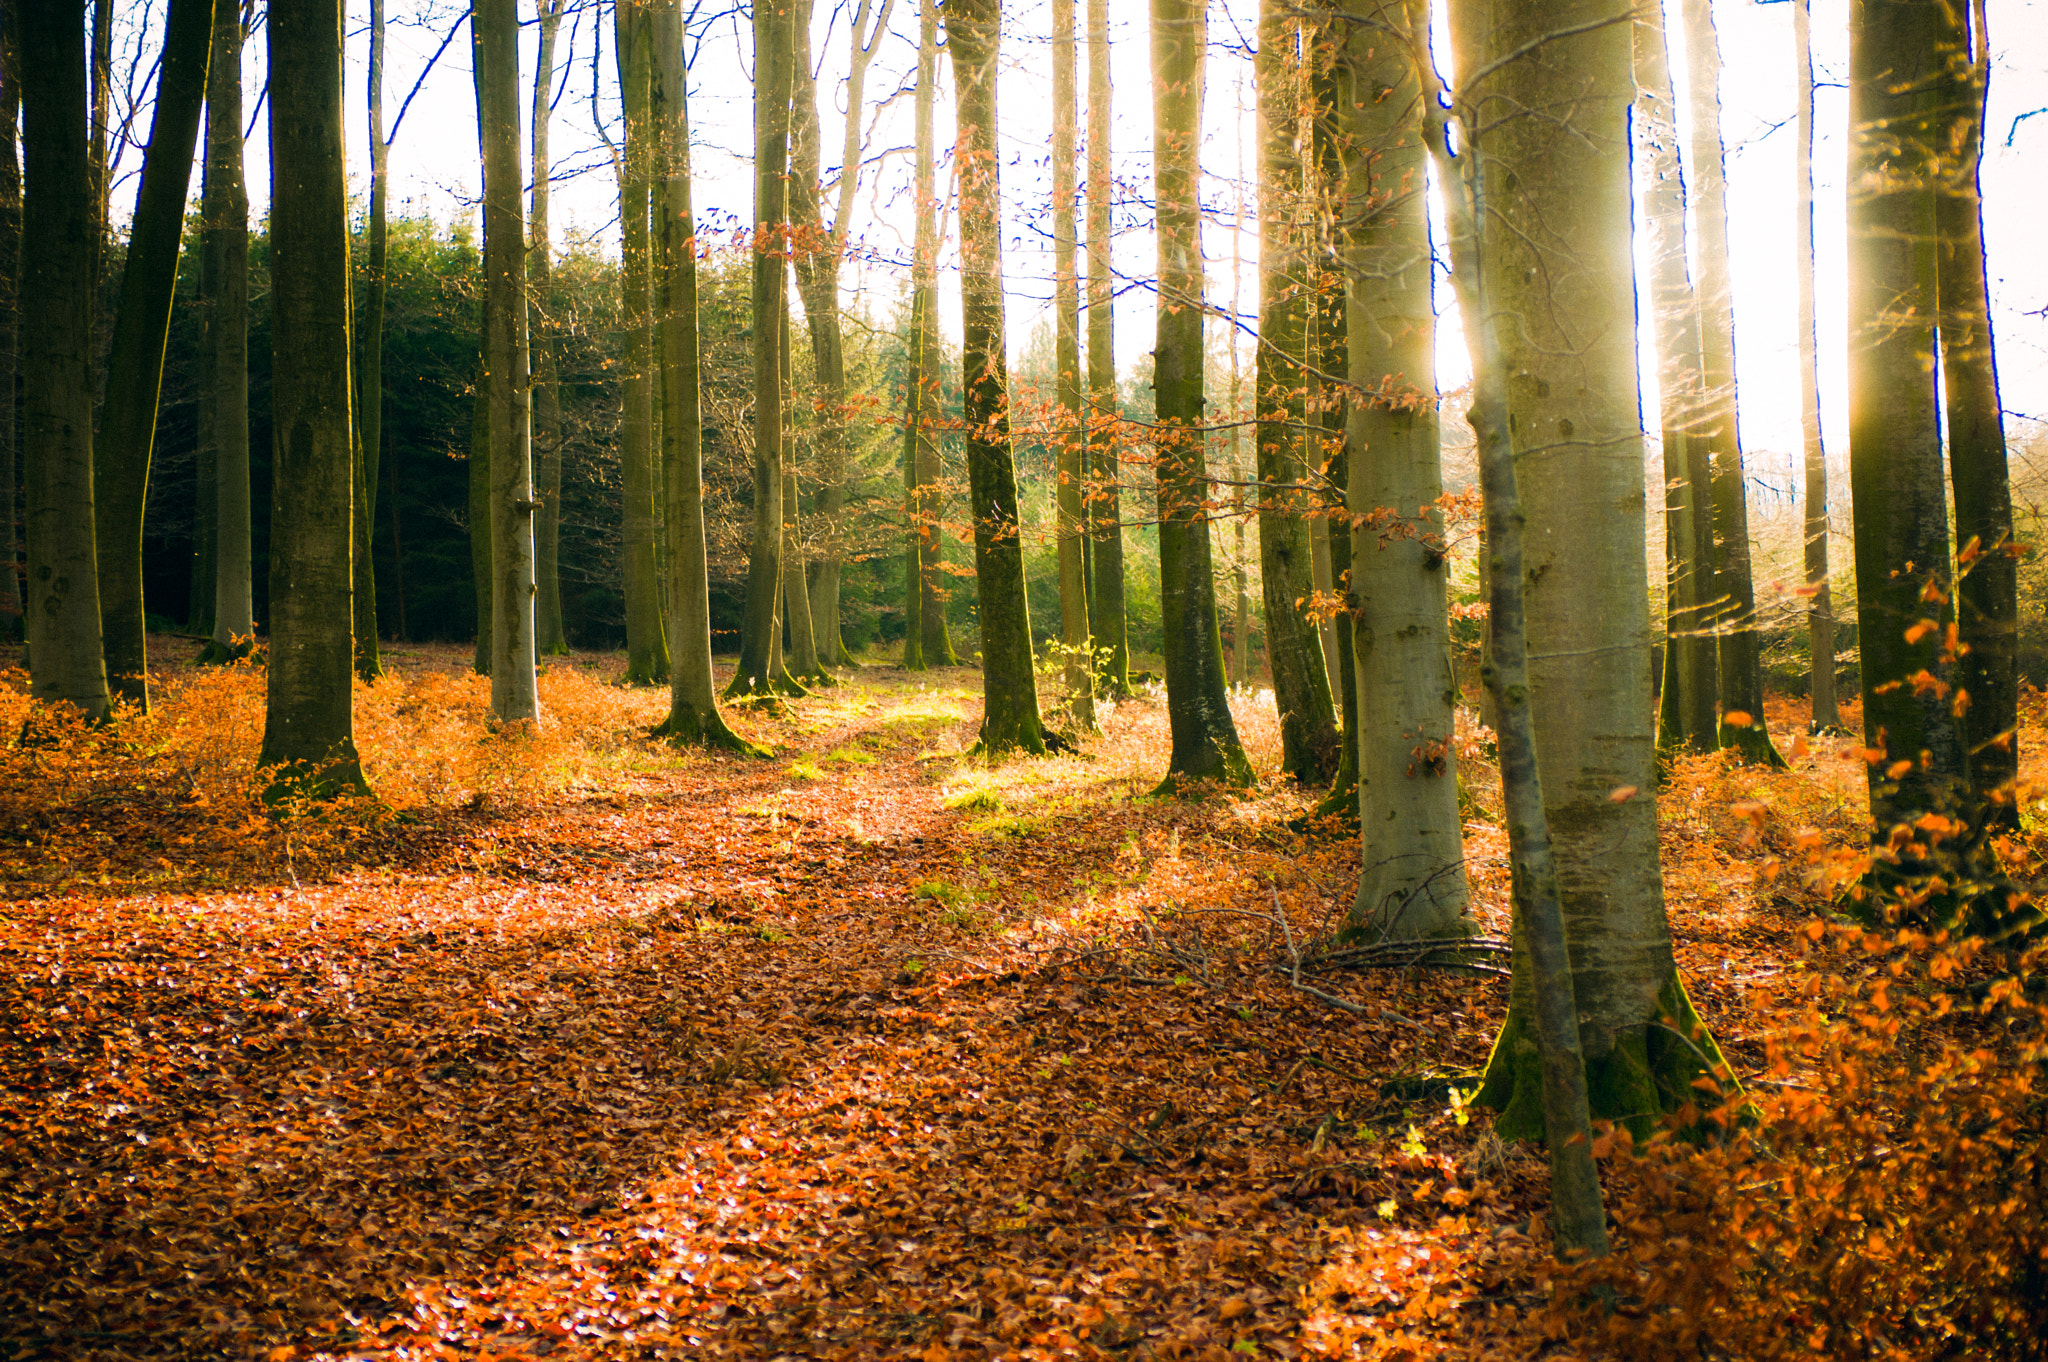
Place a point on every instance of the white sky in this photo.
(434, 167)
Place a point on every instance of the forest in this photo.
(960, 679)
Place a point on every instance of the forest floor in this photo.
(580, 1046)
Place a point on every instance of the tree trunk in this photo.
(308, 731)
(514, 697)
(1820, 610)
(135, 367)
(646, 649)
(1542, 940)
(547, 397)
(1895, 472)
(480, 507)
(370, 358)
(1987, 589)
(224, 359)
(102, 136)
(1566, 303)
(1738, 650)
(933, 593)
(1687, 700)
(759, 672)
(1106, 607)
(11, 622)
(1009, 685)
(921, 538)
(1330, 358)
(1205, 743)
(1071, 441)
(1411, 860)
(66, 664)
(693, 715)
(1301, 683)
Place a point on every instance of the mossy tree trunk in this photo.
(1301, 682)
(1106, 606)
(58, 260)
(1009, 685)
(547, 394)
(1411, 864)
(1205, 742)
(309, 731)
(646, 649)
(1820, 609)
(1071, 440)
(135, 366)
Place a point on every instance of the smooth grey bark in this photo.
(135, 366)
(480, 506)
(1412, 880)
(693, 715)
(1738, 649)
(1205, 741)
(224, 353)
(308, 731)
(370, 356)
(10, 323)
(547, 396)
(1301, 682)
(1107, 612)
(920, 446)
(514, 694)
(1009, 684)
(1071, 440)
(58, 260)
(1820, 609)
(646, 648)
(760, 671)
(1687, 702)
(102, 74)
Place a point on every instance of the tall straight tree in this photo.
(224, 349)
(514, 696)
(370, 355)
(1294, 653)
(1738, 648)
(1820, 609)
(135, 366)
(1411, 864)
(1072, 440)
(920, 446)
(1563, 300)
(309, 723)
(1895, 466)
(646, 649)
(693, 715)
(1987, 589)
(546, 382)
(58, 260)
(1205, 742)
(759, 673)
(1106, 607)
(1687, 712)
(802, 654)
(1009, 687)
(10, 326)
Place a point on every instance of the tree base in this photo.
(1648, 1075)
(1231, 768)
(746, 689)
(690, 727)
(295, 784)
(1752, 743)
(216, 653)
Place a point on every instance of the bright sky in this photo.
(434, 166)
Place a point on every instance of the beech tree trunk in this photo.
(1687, 716)
(308, 731)
(646, 649)
(919, 445)
(370, 359)
(1820, 610)
(1329, 357)
(514, 697)
(1205, 742)
(135, 366)
(1411, 866)
(480, 506)
(11, 622)
(547, 397)
(1071, 440)
(1009, 685)
(224, 353)
(58, 260)
(1106, 606)
(1301, 682)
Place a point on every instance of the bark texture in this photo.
(10, 323)
(646, 649)
(224, 347)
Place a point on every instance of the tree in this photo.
(135, 367)
(1411, 864)
(224, 351)
(1301, 684)
(546, 382)
(10, 321)
(1106, 608)
(1687, 702)
(495, 27)
(1009, 687)
(1205, 743)
(759, 673)
(58, 261)
(370, 356)
(1072, 438)
(920, 448)
(693, 715)
(308, 731)
(646, 649)
(1558, 275)
(1738, 652)
(1820, 610)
